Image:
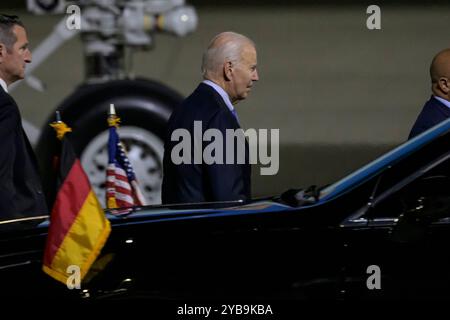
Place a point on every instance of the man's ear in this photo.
(444, 84)
(228, 70)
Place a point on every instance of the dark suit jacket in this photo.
(432, 113)
(20, 186)
(189, 183)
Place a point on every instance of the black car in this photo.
(382, 232)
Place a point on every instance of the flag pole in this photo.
(58, 116)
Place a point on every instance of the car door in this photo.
(403, 234)
(224, 255)
(21, 252)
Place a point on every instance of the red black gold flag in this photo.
(78, 225)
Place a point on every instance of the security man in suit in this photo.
(20, 186)
(437, 109)
(229, 72)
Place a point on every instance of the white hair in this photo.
(226, 46)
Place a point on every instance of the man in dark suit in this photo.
(20, 186)
(437, 109)
(229, 71)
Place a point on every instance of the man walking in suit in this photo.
(437, 109)
(20, 186)
(229, 71)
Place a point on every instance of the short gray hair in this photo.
(226, 46)
(7, 23)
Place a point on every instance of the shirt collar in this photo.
(3, 84)
(222, 93)
(445, 102)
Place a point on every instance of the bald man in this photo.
(229, 71)
(437, 109)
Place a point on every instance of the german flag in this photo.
(78, 226)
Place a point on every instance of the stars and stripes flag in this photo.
(122, 189)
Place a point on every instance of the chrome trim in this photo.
(24, 219)
(15, 265)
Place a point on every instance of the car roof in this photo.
(383, 162)
(167, 214)
(158, 213)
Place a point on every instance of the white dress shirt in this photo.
(222, 93)
(446, 102)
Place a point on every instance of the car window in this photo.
(424, 147)
(425, 194)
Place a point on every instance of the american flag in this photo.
(122, 189)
